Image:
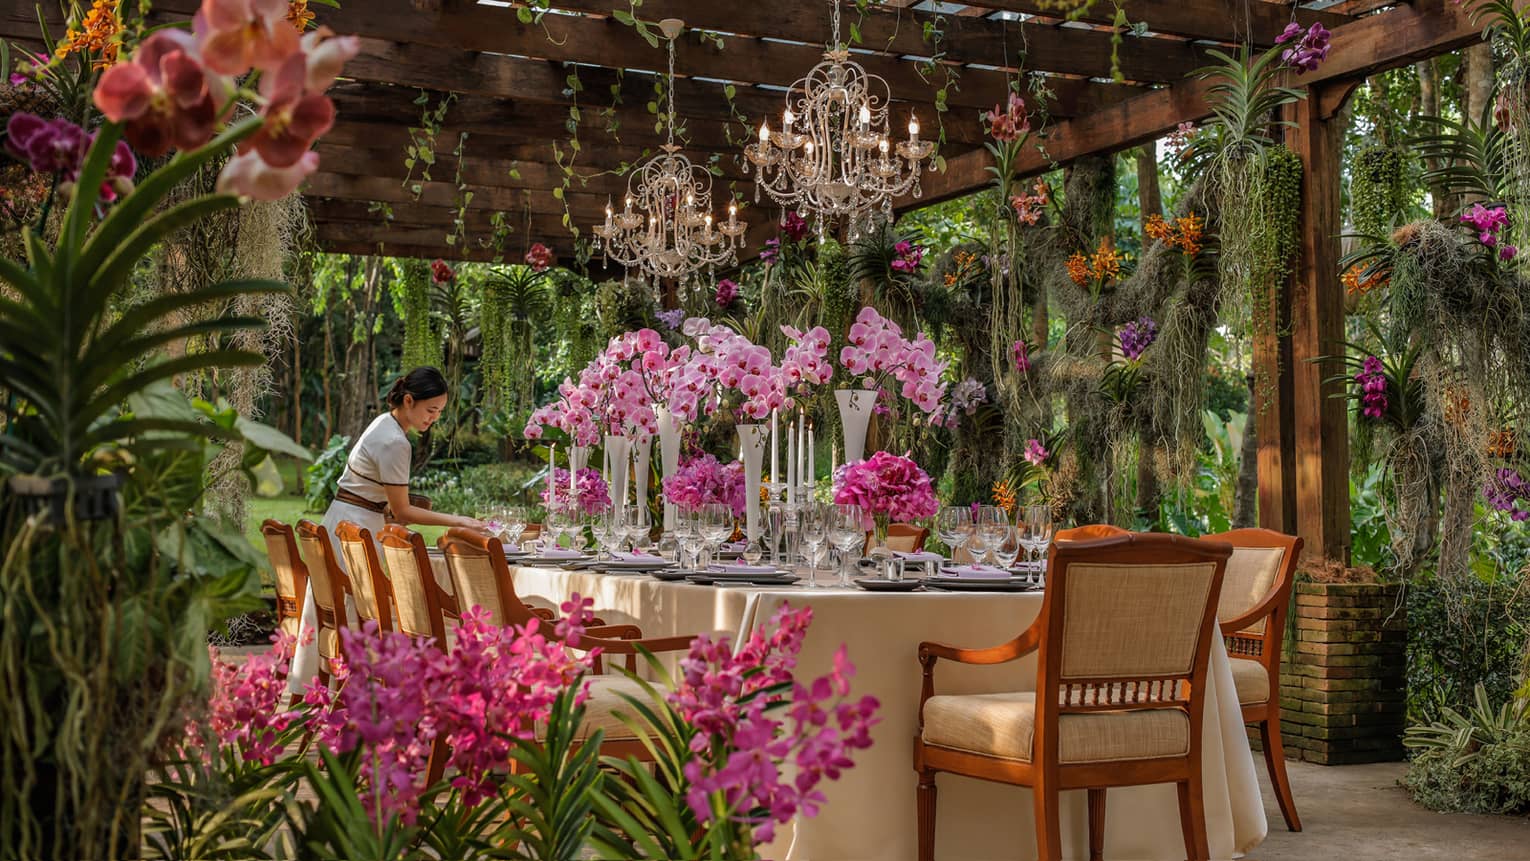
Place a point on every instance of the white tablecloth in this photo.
(870, 810)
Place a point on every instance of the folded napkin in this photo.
(922, 556)
(740, 568)
(975, 572)
(559, 553)
(622, 556)
(733, 547)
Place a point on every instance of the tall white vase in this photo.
(642, 454)
(753, 441)
(855, 410)
(618, 449)
(669, 456)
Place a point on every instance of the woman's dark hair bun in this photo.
(422, 384)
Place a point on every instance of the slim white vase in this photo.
(618, 449)
(753, 441)
(855, 410)
(669, 456)
(642, 454)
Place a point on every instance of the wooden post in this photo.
(1320, 421)
(1273, 418)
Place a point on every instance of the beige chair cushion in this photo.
(290, 626)
(408, 591)
(329, 642)
(1251, 573)
(1251, 681)
(474, 585)
(1001, 725)
(1133, 621)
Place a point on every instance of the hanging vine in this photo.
(422, 336)
(1378, 192)
(420, 152)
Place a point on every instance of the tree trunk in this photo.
(1149, 198)
(1476, 90)
(1429, 106)
(356, 375)
(1246, 503)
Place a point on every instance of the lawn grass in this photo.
(289, 509)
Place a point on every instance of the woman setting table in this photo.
(375, 484)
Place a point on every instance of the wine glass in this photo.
(688, 539)
(1038, 527)
(954, 525)
(716, 521)
(754, 550)
(607, 532)
(559, 519)
(992, 526)
(514, 518)
(847, 534)
(1008, 548)
(814, 527)
(637, 526)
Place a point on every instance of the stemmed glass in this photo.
(754, 551)
(1008, 548)
(1038, 533)
(608, 533)
(688, 537)
(847, 534)
(992, 527)
(637, 526)
(954, 525)
(514, 519)
(716, 522)
(814, 527)
(559, 521)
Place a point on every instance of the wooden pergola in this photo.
(512, 89)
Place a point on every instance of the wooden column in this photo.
(1320, 421)
(1273, 418)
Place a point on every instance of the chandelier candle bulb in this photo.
(913, 128)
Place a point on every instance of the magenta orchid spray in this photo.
(878, 352)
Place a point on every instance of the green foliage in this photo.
(1243, 97)
(1473, 155)
(1473, 761)
(1377, 193)
(478, 488)
(422, 337)
(516, 304)
(323, 475)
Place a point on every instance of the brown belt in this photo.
(286, 607)
(356, 499)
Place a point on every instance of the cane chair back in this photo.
(1089, 532)
(481, 576)
(369, 583)
(422, 604)
(290, 573)
(329, 584)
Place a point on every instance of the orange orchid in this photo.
(299, 15)
(1078, 269)
(97, 34)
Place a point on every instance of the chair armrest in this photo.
(448, 604)
(611, 632)
(543, 613)
(930, 652)
(610, 642)
(1264, 608)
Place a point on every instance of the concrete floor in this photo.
(1360, 813)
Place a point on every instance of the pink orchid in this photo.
(248, 176)
(235, 35)
(164, 95)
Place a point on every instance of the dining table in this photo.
(869, 812)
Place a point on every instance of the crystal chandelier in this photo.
(833, 157)
(665, 227)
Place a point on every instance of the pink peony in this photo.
(591, 493)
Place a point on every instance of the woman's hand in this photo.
(471, 523)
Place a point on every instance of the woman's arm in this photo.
(403, 512)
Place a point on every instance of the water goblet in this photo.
(637, 526)
(716, 521)
(954, 526)
(1038, 526)
(993, 527)
(514, 518)
(814, 524)
(848, 535)
(754, 550)
(775, 532)
(1008, 548)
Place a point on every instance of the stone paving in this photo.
(1361, 813)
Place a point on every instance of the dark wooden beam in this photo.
(1320, 416)
(1370, 45)
(1217, 20)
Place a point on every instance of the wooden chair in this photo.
(1089, 533)
(481, 576)
(372, 591)
(422, 605)
(1252, 612)
(901, 538)
(1123, 642)
(291, 575)
(330, 586)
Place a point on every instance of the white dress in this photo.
(380, 459)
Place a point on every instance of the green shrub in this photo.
(323, 475)
(477, 488)
(1473, 762)
(1462, 635)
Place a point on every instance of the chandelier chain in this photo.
(670, 92)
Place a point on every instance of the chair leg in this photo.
(926, 804)
(1192, 818)
(437, 763)
(1275, 760)
(1097, 825)
(1048, 823)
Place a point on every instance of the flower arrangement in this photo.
(805, 361)
(1310, 46)
(1135, 337)
(877, 351)
(702, 480)
(747, 382)
(591, 493)
(1009, 124)
(1020, 355)
(908, 256)
(1030, 207)
(1372, 380)
(886, 487)
(1185, 233)
(539, 257)
(727, 291)
(1506, 491)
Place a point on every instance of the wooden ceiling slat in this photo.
(1369, 45)
(1219, 20)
